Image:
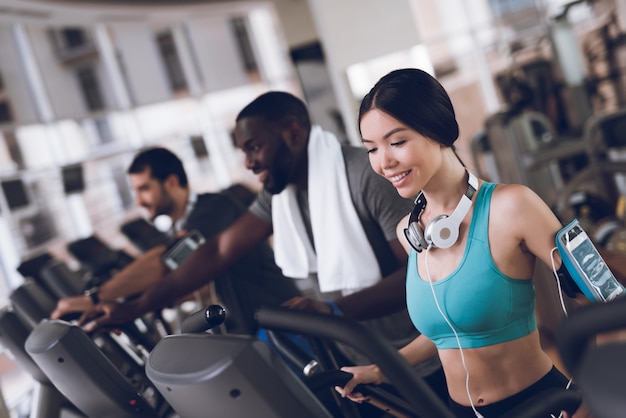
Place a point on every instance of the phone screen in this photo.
(182, 249)
(591, 264)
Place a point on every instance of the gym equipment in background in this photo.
(111, 385)
(597, 366)
(225, 375)
(47, 401)
(143, 234)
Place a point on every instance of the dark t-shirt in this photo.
(254, 280)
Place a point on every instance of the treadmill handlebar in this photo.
(205, 319)
(417, 392)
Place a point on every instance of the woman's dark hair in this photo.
(277, 107)
(161, 163)
(417, 100)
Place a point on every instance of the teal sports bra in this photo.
(484, 306)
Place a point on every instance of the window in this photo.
(519, 14)
(90, 88)
(199, 147)
(173, 67)
(5, 109)
(5, 112)
(504, 7)
(104, 130)
(73, 37)
(246, 52)
(15, 193)
(73, 178)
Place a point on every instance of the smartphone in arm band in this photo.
(585, 264)
(182, 248)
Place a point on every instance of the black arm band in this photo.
(568, 285)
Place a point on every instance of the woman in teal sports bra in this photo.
(470, 295)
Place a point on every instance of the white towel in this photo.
(345, 259)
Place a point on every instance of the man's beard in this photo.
(278, 180)
(280, 171)
(165, 205)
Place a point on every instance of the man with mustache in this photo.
(161, 187)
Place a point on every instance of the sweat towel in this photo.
(344, 259)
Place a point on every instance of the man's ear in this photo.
(295, 135)
(172, 180)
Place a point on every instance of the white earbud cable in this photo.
(558, 282)
(458, 341)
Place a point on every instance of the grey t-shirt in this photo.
(379, 208)
(378, 205)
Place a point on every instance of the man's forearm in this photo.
(135, 278)
(385, 297)
(202, 266)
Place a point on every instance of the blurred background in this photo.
(539, 88)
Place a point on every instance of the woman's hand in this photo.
(308, 304)
(71, 305)
(360, 375)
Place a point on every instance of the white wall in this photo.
(354, 31)
(137, 45)
(22, 104)
(60, 84)
(217, 54)
(297, 22)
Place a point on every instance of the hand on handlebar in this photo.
(70, 305)
(106, 315)
(360, 375)
(307, 304)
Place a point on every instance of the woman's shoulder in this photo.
(505, 193)
(514, 200)
(517, 202)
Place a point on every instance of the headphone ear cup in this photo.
(415, 237)
(442, 231)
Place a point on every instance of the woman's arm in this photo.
(417, 351)
(522, 228)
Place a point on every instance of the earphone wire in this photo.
(458, 341)
(558, 282)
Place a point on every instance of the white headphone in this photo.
(443, 230)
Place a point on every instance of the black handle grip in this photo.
(328, 379)
(385, 399)
(205, 319)
(415, 390)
